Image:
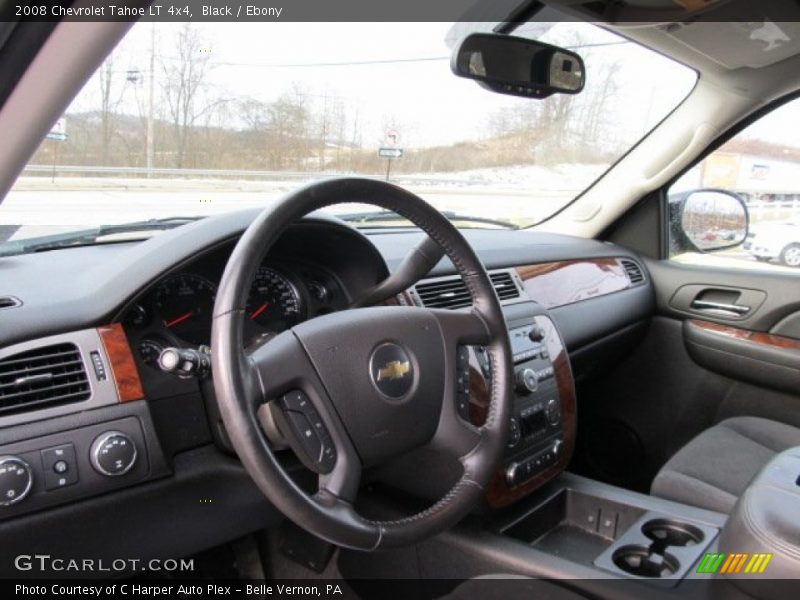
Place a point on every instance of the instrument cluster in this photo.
(178, 310)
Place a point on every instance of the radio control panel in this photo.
(535, 437)
(543, 418)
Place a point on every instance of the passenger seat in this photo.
(715, 468)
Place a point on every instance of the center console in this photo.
(622, 534)
(542, 427)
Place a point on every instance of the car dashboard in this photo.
(142, 439)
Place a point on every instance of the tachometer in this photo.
(274, 302)
(185, 304)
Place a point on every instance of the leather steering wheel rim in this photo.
(244, 381)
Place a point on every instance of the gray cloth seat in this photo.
(715, 468)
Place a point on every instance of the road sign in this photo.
(59, 131)
(392, 137)
(390, 152)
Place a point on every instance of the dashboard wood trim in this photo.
(746, 335)
(123, 368)
(565, 282)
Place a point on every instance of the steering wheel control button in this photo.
(462, 382)
(391, 370)
(60, 466)
(113, 453)
(306, 434)
(309, 430)
(16, 480)
(297, 401)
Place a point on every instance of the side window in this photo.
(758, 169)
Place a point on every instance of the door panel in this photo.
(771, 298)
(723, 342)
(762, 359)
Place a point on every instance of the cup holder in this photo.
(639, 561)
(665, 532)
(659, 547)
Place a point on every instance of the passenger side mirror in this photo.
(518, 66)
(709, 219)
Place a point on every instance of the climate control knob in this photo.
(527, 381)
(113, 453)
(16, 480)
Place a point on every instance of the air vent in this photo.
(452, 293)
(504, 285)
(41, 378)
(9, 302)
(634, 271)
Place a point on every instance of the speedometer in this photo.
(274, 302)
(185, 304)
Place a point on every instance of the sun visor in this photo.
(736, 45)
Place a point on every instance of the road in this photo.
(43, 207)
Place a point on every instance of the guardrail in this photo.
(228, 174)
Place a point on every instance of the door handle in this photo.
(721, 308)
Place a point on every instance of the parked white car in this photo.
(775, 240)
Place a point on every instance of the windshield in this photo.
(187, 120)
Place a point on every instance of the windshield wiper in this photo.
(89, 236)
(388, 215)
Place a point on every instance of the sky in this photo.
(420, 96)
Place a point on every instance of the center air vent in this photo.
(452, 293)
(43, 377)
(504, 285)
(633, 270)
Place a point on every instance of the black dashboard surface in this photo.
(82, 287)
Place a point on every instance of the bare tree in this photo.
(185, 87)
(110, 98)
(599, 103)
(289, 123)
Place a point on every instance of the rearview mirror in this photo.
(518, 66)
(710, 219)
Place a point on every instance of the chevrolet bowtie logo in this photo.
(394, 370)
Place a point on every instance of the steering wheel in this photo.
(363, 386)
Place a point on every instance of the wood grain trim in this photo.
(745, 335)
(498, 493)
(123, 368)
(568, 281)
